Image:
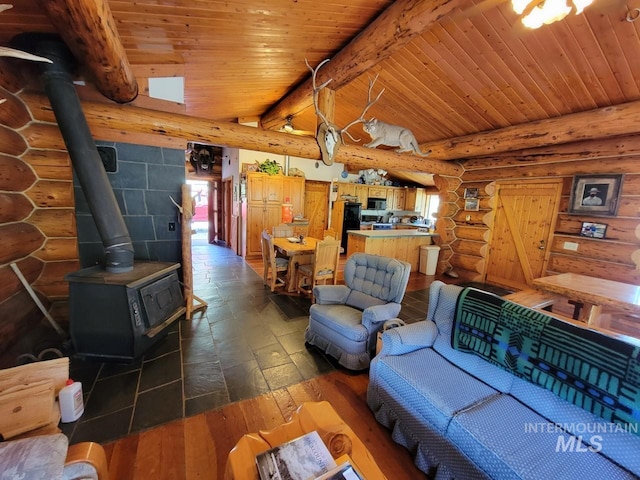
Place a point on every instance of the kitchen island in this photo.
(401, 244)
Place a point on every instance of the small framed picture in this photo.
(596, 194)
(470, 193)
(594, 230)
(472, 204)
(249, 167)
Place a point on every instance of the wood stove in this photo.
(118, 310)
(119, 316)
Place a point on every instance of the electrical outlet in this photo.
(570, 246)
(172, 226)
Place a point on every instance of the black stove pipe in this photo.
(84, 155)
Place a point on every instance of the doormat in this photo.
(487, 288)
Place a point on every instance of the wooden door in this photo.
(293, 189)
(316, 207)
(254, 226)
(213, 209)
(522, 231)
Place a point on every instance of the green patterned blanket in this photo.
(598, 373)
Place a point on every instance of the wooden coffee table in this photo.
(310, 416)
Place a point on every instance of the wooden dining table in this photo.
(593, 292)
(298, 252)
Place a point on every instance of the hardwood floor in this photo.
(197, 447)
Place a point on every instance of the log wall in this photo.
(37, 225)
(616, 257)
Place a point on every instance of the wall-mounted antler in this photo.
(329, 135)
(370, 102)
(11, 52)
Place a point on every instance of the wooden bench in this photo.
(533, 298)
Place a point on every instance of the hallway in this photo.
(248, 342)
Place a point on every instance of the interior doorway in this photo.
(522, 232)
(204, 223)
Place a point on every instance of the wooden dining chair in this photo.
(322, 269)
(283, 230)
(275, 268)
(330, 232)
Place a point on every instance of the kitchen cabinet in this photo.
(264, 188)
(346, 189)
(415, 199)
(265, 195)
(362, 192)
(398, 199)
(378, 192)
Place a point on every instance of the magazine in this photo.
(303, 458)
(344, 471)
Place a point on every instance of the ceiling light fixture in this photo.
(536, 13)
(288, 127)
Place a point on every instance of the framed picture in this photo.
(470, 193)
(595, 194)
(249, 167)
(594, 230)
(472, 204)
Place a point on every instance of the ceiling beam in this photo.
(89, 31)
(126, 123)
(622, 119)
(387, 34)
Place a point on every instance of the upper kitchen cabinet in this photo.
(362, 192)
(397, 199)
(415, 199)
(346, 189)
(378, 192)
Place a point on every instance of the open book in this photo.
(303, 458)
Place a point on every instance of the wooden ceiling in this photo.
(475, 69)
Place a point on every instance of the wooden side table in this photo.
(310, 416)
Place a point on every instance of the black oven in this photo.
(376, 203)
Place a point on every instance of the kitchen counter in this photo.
(397, 233)
(401, 244)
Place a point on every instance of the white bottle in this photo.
(71, 402)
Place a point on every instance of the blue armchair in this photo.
(345, 319)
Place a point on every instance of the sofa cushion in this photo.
(361, 300)
(430, 385)
(342, 320)
(501, 437)
(594, 371)
(616, 442)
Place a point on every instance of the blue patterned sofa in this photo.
(485, 388)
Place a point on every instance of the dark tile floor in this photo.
(247, 342)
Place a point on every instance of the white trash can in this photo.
(429, 259)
